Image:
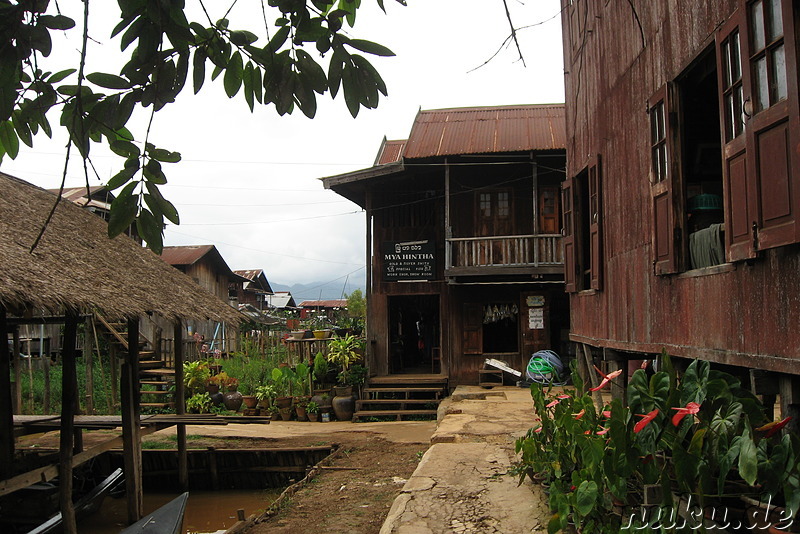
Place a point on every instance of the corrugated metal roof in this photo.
(390, 151)
(185, 255)
(482, 130)
(335, 303)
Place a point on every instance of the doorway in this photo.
(414, 334)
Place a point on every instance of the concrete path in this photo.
(461, 485)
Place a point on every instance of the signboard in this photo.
(409, 260)
(536, 319)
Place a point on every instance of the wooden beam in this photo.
(88, 361)
(47, 319)
(69, 390)
(17, 371)
(129, 399)
(180, 407)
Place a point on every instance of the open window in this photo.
(582, 226)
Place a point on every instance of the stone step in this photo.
(396, 401)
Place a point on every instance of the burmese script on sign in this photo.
(409, 260)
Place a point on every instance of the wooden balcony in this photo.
(518, 254)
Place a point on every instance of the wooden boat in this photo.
(86, 505)
(166, 520)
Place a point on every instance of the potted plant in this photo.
(199, 403)
(300, 408)
(344, 352)
(321, 327)
(312, 410)
(195, 376)
(233, 398)
(280, 378)
(264, 395)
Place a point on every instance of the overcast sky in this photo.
(249, 182)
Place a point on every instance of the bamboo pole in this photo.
(69, 382)
(46, 398)
(17, 369)
(88, 361)
(109, 399)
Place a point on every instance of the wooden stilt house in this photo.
(75, 269)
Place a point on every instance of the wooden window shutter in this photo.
(473, 328)
(666, 234)
(734, 91)
(568, 230)
(595, 223)
(772, 129)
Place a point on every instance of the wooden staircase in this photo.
(402, 397)
(153, 372)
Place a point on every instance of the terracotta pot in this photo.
(313, 417)
(283, 402)
(250, 401)
(286, 414)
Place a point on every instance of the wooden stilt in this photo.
(17, 370)
(180, 407)
(592, 379)
(88, 362)
(6, 412)
(131, 438)
(616, 361)
(69, 381)
(46, 397)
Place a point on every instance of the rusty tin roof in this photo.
(482, 130)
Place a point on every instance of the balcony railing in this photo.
(506, 251)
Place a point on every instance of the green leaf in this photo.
(150, 230)
(123, 210)
(8, 139)
(153, 173)
(242, 37)
(199, 69)
(233, 75)
(109, 81)
(126, 149)
(748, 458)
(22, 128)
(123, 176)
(369, 47)
(60, 75)
(247, 78)
(586, 497)
(161, 154)
(278, 39)
(56, 22)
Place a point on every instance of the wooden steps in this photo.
(401, 397)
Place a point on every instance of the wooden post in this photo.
(17, 370)
(131, 435)
(69, 387)
(109, 400)
(46, 397)
(31, 402)
(112, 368)
(6, 411)
(180, 407)
(88, 361)
(592, 378)
(212, 468)
(790, 401)
(615, 362)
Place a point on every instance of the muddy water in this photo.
(206, 511)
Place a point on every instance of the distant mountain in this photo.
(317, 290)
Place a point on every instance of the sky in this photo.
(248, 183)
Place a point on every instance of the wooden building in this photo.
(205, 265)
(255, 291)
(682, 198)
(76, 269)
(463, 241)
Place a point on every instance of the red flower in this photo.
(602, 432)
(773, 427)
(607, 414)
(646, 419)
(538, 430)
(563, 396)
(552, 403)
(579, 414)
(690, 409)
(606, 379)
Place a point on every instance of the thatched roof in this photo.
(76, 265)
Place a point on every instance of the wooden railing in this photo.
(506, 251)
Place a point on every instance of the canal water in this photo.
(206, 511)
